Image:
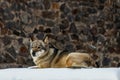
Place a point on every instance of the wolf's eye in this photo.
(38, 47)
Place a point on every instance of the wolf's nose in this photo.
(33, 53)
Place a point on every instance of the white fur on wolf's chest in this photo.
(37, 54)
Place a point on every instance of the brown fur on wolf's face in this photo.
(46, 57)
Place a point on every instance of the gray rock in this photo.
(73, 28)
(55, 30)
(50, 23)
(7, 15)
(25, 17)
(11, 51)
(6, 40)
(40, 36)
(65, 9)
(46, 4)
(106, 61)
(49, 14)
(118, 3)
(10, 25)
(41, 21)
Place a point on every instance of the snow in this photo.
(60, 74)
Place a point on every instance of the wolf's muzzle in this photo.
(33, 53)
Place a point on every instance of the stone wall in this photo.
(91, 26)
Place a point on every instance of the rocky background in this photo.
(91, 26)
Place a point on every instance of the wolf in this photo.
(45, 55)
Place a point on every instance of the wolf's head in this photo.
(39, 48)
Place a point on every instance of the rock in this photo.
(118, 11)
(20, 60)
(109, 26)
(64, 24)
(10, 25)
(2, 58)
(66, 38)
(78, 17)
(113, 64)
(41, 28)
(116, 18)
(35, 31)
(101, 38)
(36, 5)
(70, 18)
(79, 46)
(101, 30)
(102, 1)
(64, 8)
(46, 4)
(116, 59)
(11, 50)
(92, 19)
(20, 40)
(4, 31)
(118, 65)
(22, 33)
(9, 58)
(6, 40)
(55, 30)
(73, 4)
(50, 23)
(16, 32)
(73, 28)
(100, 23)
(40, 35)
(1, 25)
(92, 10)
(55, 6)
(7, 15)
(48, 14)
(118, 40)
(75, 11)
(62, 16)
(60, 37)
(118, 3)
(25, 17)
(23, 51)
(69, 48)
(74, 37)
(17, 6)
(41, 21)
(47, 30)
(100, 7)
(83, 37)
(106, 61)
(28, 29)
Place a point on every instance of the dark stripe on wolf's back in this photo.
(54, 53)
(61, 54)
(57, 54)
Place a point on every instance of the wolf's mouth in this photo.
(38, 53)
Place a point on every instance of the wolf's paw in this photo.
(33, 67)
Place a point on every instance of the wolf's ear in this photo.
(31, 39)
(46, 40)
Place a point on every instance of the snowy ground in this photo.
(60, 74)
